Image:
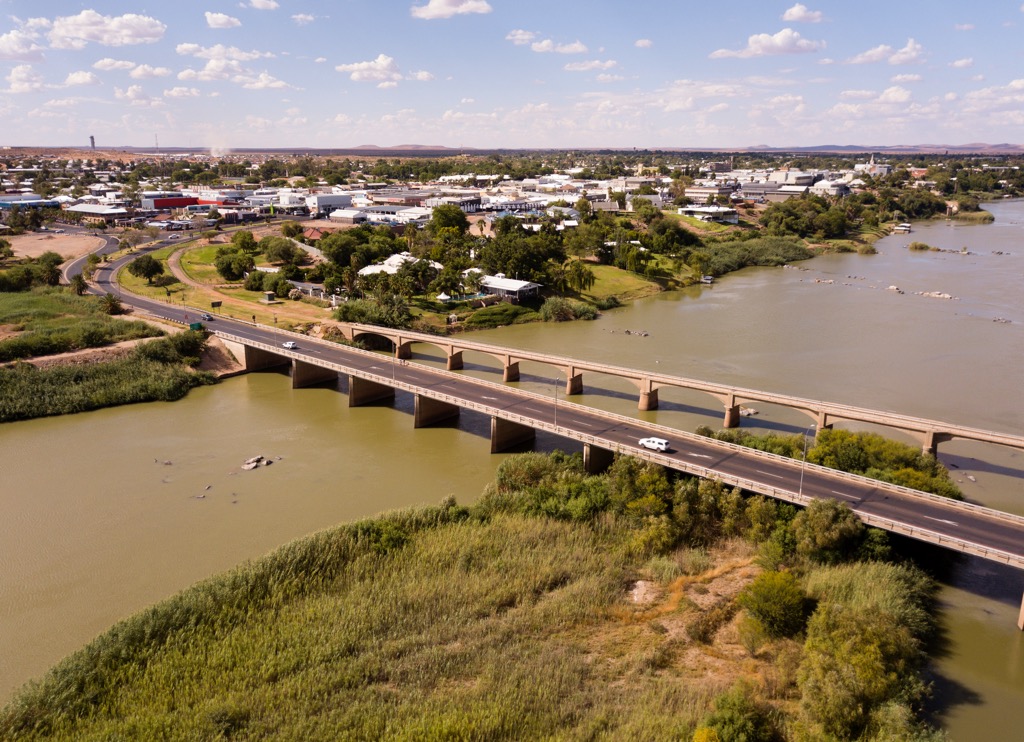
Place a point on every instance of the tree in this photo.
(827, 531)
(776, 602)
(78, 284)
(855, 662)
(578, 276)
(111, 304)
(233, 265)
(278, 249)
(245, 242)
(291, 229)
(448, 215)
(146, 266)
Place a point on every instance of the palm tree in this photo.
(111, 304)
(78, 284)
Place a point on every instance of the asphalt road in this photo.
(931, 519)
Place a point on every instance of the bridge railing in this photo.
(613, 417)
(848, 412)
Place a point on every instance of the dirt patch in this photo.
(87, 355)
(9, 331)
(68, 246)
(217, 360)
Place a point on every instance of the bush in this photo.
(739, 718)
(499, 315)
(560, 309)
(776, 601)
(827, 531)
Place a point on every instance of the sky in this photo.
(510, 73)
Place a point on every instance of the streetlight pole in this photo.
(803, 463)
(554, 389)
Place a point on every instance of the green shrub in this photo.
(776, 601)
(560, 309)
(499, 315)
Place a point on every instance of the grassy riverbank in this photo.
(159, 370)
(625, 606)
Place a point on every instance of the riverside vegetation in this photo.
(45, 321)
(635, 604)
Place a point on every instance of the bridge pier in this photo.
(505, 434)
(510, 372)
(403, 351)
(428, 411)
(596, 459)
(648, 396)
(732, 416)
(1020, 618)
(573, 384)
(363, 391)
(307, 374)
(454, 361)
(254, 359)
(930, 446)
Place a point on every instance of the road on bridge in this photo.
(977, 530)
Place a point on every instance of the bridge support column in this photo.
(574, 384)
(363, 391)
(505, 434)
(430, 411)
(930, 446)
(510, 372)
(454, 361)
(254, 359)
(1020, 618)
(732, 417)
(307, 374)
(596, 459)
(823, 424)
(403, 351)
(648, 396)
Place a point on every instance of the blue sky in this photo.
(510, 73)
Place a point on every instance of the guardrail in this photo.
(635, 450)
(846, 412)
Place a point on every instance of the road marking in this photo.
(491, 399)
(843, 494)
(770, 474)
(702, 456)
(943, 520)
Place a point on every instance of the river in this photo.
(109, 511)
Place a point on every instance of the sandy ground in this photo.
(68, 246)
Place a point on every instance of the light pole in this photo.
(803, 463)
(554, 390)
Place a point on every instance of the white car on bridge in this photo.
(654, 444)
(290, 345)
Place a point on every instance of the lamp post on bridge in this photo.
(803, 463)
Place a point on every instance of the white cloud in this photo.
(912, 52)
(908, 54)
(421, 75)
(219, 51)
(548, 45)
(381, 70)
(875, 54)
(800, 14)
(519, 37)
(467, 100)
(106, 64)
(76, 31)
(23, 79)
(263, 81)
(906, 78)
(181, 92)
(136, 96)
(20, 45)
(895, 94)
(964, 63)
(786, 41)
(81, 77)
(387, 84)
(221, 20)
(263, 4)
(604, 77)
(320, 60)
(593, 64)
(964, 27)
(215, 69)
(435, 9)
(144, 72)
(643, 43)
(861, 94)
(302, 19)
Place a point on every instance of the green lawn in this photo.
(197, 262)
(612, 281)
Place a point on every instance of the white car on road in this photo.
(655, 444)
(290, 345)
